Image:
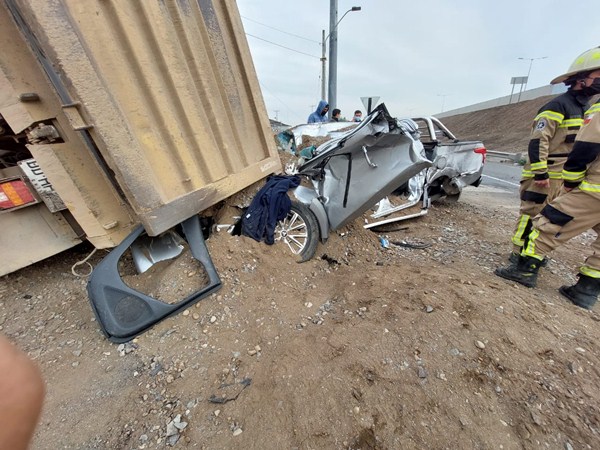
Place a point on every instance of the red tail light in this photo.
(15, 193)
(482, 151)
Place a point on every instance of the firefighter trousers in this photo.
(569, 215)
(533, 200)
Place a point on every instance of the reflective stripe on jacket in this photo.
(552, 136)
(582, 168)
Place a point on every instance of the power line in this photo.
(292, 113)
(281, 31)
(283, 46)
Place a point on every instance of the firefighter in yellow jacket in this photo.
(552, 137)
(573, 212)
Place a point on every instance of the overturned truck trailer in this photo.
(116, 115)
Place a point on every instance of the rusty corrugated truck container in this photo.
(135, 111)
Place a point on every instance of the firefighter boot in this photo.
(584, 293)
(513, 259)
(524, 272)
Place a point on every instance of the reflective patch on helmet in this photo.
(541, 124)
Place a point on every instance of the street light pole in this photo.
(332, 94)
(323, 63)
(443, 99)
(333, 24)
(530, 64)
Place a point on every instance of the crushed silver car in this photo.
(455, 165)
(290, 140)
(349, 175)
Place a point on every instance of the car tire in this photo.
(452, 198)
(299, 231)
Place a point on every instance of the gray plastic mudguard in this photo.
(123, 312)
(317, 208)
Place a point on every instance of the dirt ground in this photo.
(360, 348)
(416, 346)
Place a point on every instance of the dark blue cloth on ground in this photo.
(270, 205)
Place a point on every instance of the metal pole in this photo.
(528, 73)
(511, 94)
(332, 94)
(323, 64)
(530, 64)
(520, 90)
(443, 100)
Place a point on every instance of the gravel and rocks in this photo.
(336, 352)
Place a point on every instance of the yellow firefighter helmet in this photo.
(586, 62)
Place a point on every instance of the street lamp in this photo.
(333, 24)
(530, 64)
(443, 99)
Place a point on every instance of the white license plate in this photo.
(42, 185)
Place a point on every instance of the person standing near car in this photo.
(552, 136)
(570, 214)
(320, 114)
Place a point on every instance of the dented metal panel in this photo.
(352, 172)
(168, 93)
(86, 189)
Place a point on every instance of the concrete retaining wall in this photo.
(525, 95)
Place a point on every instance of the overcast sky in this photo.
(417, 56)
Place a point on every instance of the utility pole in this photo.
(333, 24)
(332, 94)
(323, 64)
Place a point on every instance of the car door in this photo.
(355, 171)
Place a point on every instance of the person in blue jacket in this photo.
(320, 115)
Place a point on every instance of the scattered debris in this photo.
(415, 245)
(126, 348)
(384, 242)
(174, 428)
(223, 398)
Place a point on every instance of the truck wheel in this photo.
(299, 231)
